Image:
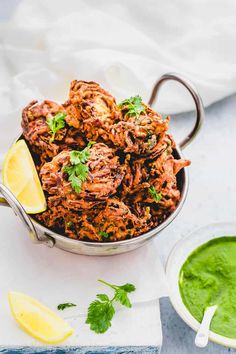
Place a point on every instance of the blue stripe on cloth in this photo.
(81, 350)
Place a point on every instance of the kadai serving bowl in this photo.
(42, 235)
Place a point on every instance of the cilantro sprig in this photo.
(56, 123)
(101, 310)
(155, 195)
(78, 171)
(133, 105)
(104, 234)
(65, 305)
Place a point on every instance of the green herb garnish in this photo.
(65, 305)
(78, 171)
(104, 234)
(55, 123)
(69, 224)
(155, 195)
(101, 310)
(133, 105)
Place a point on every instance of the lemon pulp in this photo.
(21, 178)
(38, 320)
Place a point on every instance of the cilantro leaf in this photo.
(129, 288)
(56, 123)
(65, 305)
(104, 234)
(78, 171)
(155, 195)
(101, 310)
(122, 297)
(81, 171)
(133, 105)
(76, 182)
(103, 297)
(77, 157)
(100, 314)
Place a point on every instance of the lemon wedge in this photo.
(38, 320)
(20, 176)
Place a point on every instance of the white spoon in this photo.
(201, 338)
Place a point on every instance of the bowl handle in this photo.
(195, 95)
(8, 199)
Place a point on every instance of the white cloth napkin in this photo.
(123, 45)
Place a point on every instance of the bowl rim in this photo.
(139, 239)
(183, 312)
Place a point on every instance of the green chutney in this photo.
(208, 277)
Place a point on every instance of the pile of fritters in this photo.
(132, 156)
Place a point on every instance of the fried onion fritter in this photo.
(162, 176)
(37, 132)
(91, 109)
(142, 135)
(104, 177)
(131, 180)
(118, 222)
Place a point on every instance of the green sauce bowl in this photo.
(177, 258)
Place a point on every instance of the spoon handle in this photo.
(201, 338)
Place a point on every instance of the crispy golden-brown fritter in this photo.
(142, 135)
(37, 132)
(117, 222)
(104, 177)
(122, 157)
(91, 109)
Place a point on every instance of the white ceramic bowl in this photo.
(176, 259)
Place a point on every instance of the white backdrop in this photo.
(124, 45)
